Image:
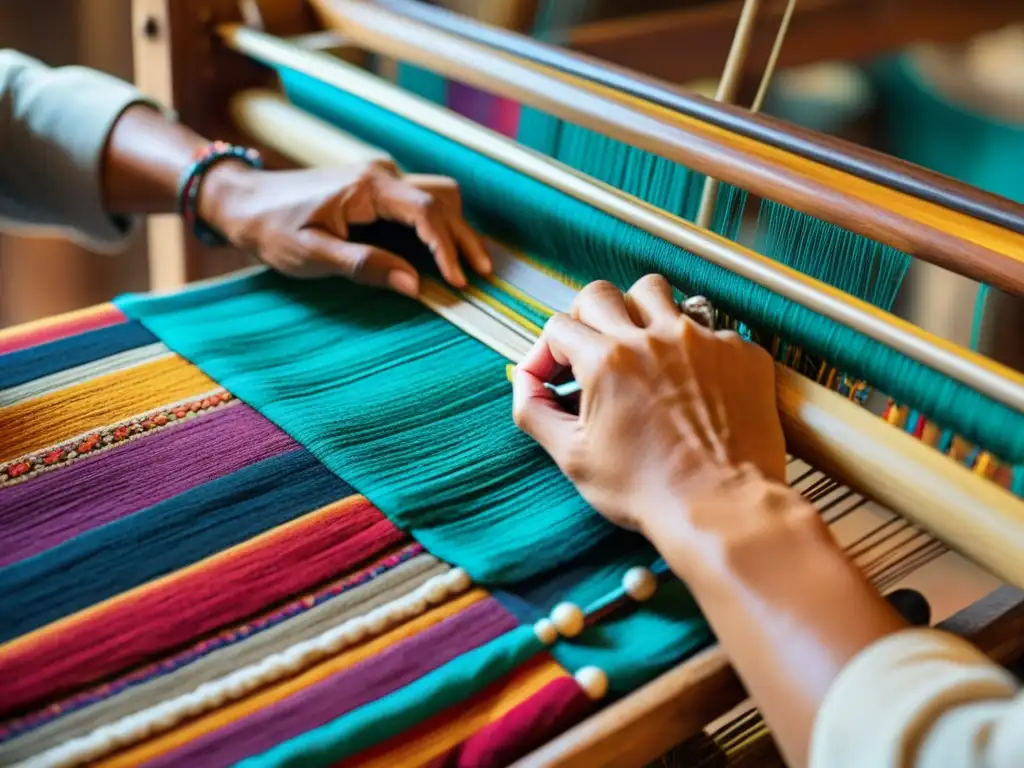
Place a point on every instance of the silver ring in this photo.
(699, 309)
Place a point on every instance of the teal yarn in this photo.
(412, 412)
(589, 244)
(385, 718)
(429, 85)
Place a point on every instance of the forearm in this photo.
(145, 159)
(788, 608)
(143, 162)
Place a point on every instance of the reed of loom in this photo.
(707, 675)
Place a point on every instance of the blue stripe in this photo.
(46, 359)
(161, 539)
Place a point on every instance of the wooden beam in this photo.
(691, 44)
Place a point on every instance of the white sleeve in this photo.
(54, 126)
(920, 699)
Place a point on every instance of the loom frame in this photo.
(180, 61)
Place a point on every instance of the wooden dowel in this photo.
(773, 57)
(728, 84)
(836, 153)
(976, 371)
(971, 514)
(951, 240)
(270, 119)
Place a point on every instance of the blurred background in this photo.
(45, 276)
(957, 108)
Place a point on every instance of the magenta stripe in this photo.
(57, 506)
(332, 697)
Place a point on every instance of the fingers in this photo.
(650, 302)
(534, 408)
(602, 306)
(432, 206)
(363, 264)
(432, 228)
(472, 246)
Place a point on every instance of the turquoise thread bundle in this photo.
(589, 244)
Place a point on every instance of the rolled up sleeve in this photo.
(54, 127)
(920, 699)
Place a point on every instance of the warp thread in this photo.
(357, 686)
(70, 376)
(50, 329)
(61, 415)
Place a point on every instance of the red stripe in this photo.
(165, 615)
(552, 710)
(16, 339)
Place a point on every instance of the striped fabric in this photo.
(181, 583)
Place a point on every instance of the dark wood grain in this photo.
(691, 43)
(867, 163)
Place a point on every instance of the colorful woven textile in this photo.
(195, 568)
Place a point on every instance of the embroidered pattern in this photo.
(234, 634)
(35, 464)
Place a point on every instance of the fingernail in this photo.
(404, 282)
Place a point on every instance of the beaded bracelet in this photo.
(191, 181)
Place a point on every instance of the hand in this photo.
(298, 221)
(668, 408)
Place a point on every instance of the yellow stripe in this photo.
(515, 293)
(53, 418)
(502, 309)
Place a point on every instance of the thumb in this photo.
(365, 264)
(538, 414)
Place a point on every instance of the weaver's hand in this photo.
(668, 408)
(298, 221)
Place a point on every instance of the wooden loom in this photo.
(983, 241)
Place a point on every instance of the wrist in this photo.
(222, 198)
(736, 525)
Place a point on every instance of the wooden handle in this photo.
(956, 242)
(980, 373)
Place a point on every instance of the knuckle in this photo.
(556, 323)
(598, 288)
(358, 262)
(574, 463)
(521, 415)
(652, 281)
